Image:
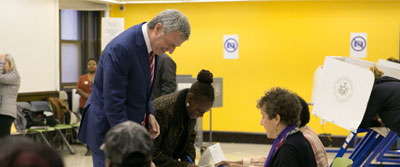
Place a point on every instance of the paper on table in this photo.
(211, 156)
(206, 159)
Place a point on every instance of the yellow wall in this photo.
(281, 44)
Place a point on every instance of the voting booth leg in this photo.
(363, 142)
(366, 148)
(346, 144)
(379, 148)
(393, 157)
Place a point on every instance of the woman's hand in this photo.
(230, 163)
(3, 57)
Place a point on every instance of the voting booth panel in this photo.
(342, 91)
(389, 68)
(317, 74)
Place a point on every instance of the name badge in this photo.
(86, 82)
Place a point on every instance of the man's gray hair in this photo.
(172, 20)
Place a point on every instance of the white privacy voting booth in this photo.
(389, 68)
(342, 91)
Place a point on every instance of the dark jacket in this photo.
(384, 101)
(172, 143)
(165, 81)
(121, 89)
(296, 151)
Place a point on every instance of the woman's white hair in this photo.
(11, 62)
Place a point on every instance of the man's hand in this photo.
(154, 128)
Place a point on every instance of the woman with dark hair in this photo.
(85, 83)
(309, 134)
(280, 110)
(177, 113)
(18, 151)
(9, 86)
(84, 87)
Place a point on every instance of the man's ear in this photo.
(158, 28)
(277, 119)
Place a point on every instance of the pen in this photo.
(190, 160)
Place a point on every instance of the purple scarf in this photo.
(278, 142)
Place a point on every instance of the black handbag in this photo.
(34, 118)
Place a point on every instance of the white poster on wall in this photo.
(231, 46)
(358, 45)
(110, 28)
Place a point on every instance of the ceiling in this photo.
(194, 1)
(181, 1)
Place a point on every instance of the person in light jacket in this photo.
(9, 86)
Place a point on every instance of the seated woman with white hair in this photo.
(280, 110)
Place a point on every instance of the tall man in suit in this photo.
(125, 73)
(165, 82)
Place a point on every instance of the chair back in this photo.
(342, 162)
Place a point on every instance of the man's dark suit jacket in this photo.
(121, 90)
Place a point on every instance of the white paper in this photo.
(358, 45)
(216, 153)
(183, 86)
(211, 156)
(231, 47)
(206, 159)
(110, 28)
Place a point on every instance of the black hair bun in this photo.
(205, 76)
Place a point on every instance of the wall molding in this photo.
(36, 96)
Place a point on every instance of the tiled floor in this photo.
(231, 151)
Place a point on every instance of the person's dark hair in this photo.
(128, 144)
(18, 151)
(305, 112)
(202, 88)
(281, 101)
(136, 159)
(393, 60)
(90, 59)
